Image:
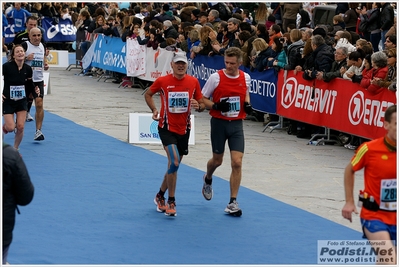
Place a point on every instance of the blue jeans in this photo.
(375, 39)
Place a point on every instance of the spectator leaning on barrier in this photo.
(321, 59)
(280, 59)
(338, 67)
(260, 54)
(294, 50)
(97, 24)
(355, 64)
(391, 75)
(169, 32)
(378, 72)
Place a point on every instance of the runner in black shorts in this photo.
(179, 94)
(17, 85)
(171, 138)
(231, 131)
(229, 89)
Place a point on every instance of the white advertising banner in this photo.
(158, 64)
(135, 58)
(144, 130)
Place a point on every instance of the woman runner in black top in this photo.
(17, 85)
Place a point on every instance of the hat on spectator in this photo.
(319, 31)
(179, 56)
(196, 12)
(165, 7)
(167, 23)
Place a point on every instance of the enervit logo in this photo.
(366, 111)
(356, 108)
(288, 92)
(306, 97)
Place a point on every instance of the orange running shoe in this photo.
(160, 202)
(171, 209)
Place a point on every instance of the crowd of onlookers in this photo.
(359, 44)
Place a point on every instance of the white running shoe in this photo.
(38, 136)
(207, 190)
(233, 209)
(28, 117)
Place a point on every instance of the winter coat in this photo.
(17, 189)
(373, 20)
(350, 18)
(294, 55)
(322, 59)
(169, 33)
(262, 58)
(281, 60)
(369, 75)
(386, 17)
(335, 71)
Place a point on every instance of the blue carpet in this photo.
(93, 204)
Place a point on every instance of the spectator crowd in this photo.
(359, 44)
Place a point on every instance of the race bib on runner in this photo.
(234, 102)
(388, 195)
(17, 92)
(37, 62)
(178, 102)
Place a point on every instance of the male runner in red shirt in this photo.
(179, 93)
(378, 214)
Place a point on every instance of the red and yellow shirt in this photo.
(379, 179)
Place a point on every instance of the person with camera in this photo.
(229, 89)
(378, 199)
(321, 59)
(280, 60)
